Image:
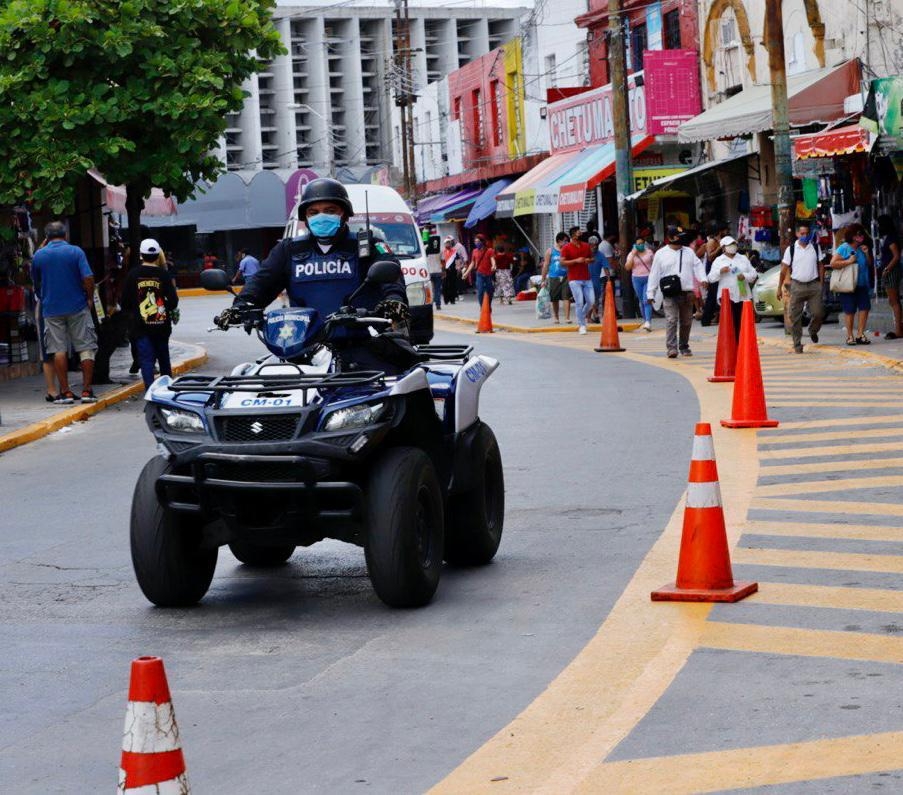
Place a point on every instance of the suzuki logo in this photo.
(256, 427)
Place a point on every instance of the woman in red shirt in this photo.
(483, 262)
(504, 282)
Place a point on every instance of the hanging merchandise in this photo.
(810, 194)
(760, 216)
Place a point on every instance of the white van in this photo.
(390, 215)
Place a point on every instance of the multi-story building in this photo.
(327, 104)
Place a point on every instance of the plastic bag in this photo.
(543, 304)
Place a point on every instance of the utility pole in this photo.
(409, 80)
(782, 161)
(401, 97)
(617, 60)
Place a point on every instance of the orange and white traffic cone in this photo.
(726, 349)
(609, 341)
(704, 567)
(152, 758)
(485, 324)
(748, 406)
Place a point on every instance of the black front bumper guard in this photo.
(308, 502)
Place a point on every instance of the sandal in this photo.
(863, 341)
(49, 398)
(851, 341)
(64, 398)
(890, 336)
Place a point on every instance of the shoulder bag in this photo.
(844, 280)
(671, 286)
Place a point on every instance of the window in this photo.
(551, 71)
(583, 55)
(727, 58)
(496, 114)
(671, 24)
(478, 131)
(638, 40)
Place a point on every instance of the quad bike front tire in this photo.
(172, 568)
(405, 528)
(262, 556)
(476, 517)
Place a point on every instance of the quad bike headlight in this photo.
(179, 421)
(354, 416)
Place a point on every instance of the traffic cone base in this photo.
(484, 326)
(671, 593)
(750, 423)
(609, 342)
(721, 379)
(704, 566)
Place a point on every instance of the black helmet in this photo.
(324, 190)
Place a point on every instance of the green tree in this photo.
(138, 89)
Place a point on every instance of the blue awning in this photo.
(435, 205)
(485, 204)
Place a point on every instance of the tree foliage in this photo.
(138, 89)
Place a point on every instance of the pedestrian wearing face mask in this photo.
(482, 264)
(802, 268)
(734, 272)
(639, 264)
(674, 267)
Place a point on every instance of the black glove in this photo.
(394, 310)
(232, 316)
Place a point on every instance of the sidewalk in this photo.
(26, 416)
(519, 317)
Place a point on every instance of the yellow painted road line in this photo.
(830, 436)
(804, 643)
(832, 506)
(838, 598)
(831, 422)
(862, 532)
(826, 450)
(822, 486)
(812, 559)
(840, 465)
(742, 768)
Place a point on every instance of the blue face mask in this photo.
(324, 224)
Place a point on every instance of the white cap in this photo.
(727, 241)
(149, 246)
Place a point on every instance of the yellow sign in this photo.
(644, 177)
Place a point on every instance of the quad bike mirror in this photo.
(384, 272)
(215, 280)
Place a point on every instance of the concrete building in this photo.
(327, 104)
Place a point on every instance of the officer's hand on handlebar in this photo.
(228, 317)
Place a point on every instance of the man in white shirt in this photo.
(801, 267)
(675, 259)
(733, 272)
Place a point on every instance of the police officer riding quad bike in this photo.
(345, 431)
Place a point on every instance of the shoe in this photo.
(687, 352)
(672, 354)
(863, 341)
(813, 335)
(647, 326)
(64, 399)
(581, 330)
(798, 349)
(851, 341)
(890, 336)
(134, 369)
(49, 398)
(557, 322)
(88, 396)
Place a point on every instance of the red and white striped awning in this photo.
(829, 143)
(157, 204)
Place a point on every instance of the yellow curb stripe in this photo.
(515, 329)
(804, 643)
(60, 419)
(830, 436)
(742, 768)
(811, 559)
(840, 465)
(821, 486)
(862, 532)
(828, 506)
(874, 600)
(842, 422)
(837, 450)
(837, 404)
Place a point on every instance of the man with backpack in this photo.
(802, 267)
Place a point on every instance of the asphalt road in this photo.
(299, 679)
